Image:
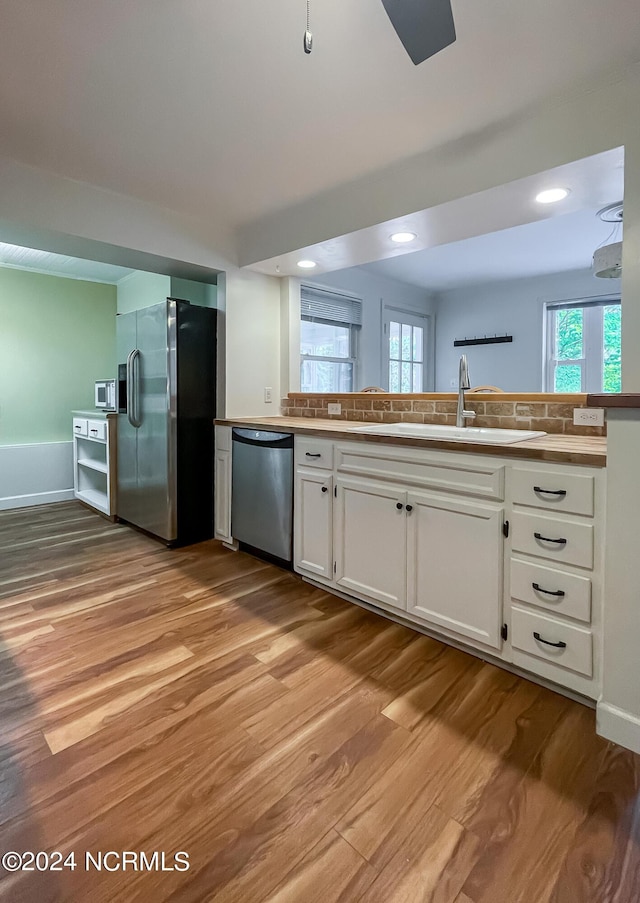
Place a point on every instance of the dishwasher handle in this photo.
(262, 438)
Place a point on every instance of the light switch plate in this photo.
(334, 409)
(588, 416)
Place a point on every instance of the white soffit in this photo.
(593, 182)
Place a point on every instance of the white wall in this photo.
(290, 334)
(515, 307)
(35, 474)
(249, 306)
(378, 294)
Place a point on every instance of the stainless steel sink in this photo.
(453, 433)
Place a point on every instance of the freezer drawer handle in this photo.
(561, 542)
(309, 455)
(559, 645)
(560, 492)
(549, 592)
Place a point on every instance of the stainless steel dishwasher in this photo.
(262, 491)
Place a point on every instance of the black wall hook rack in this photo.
(485, 340)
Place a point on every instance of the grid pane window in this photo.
(406, 356)
(611, 350)
(584, 347)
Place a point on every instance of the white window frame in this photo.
(354, 330)
(592, 342)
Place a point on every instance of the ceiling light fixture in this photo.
(403, 237)
(552, 195)
(307, 264)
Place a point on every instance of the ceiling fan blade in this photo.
(425, 27)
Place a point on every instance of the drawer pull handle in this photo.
(326, 489)
(560, 492)
(399, 506)
(549, 592)
(561, 542)
(559, 645)
(309, 455)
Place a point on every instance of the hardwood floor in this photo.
(298, 748)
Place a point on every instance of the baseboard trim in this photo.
(39, 498)
(618, 725)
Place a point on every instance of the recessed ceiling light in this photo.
(307, 264)
(552, 195)
(402, 237)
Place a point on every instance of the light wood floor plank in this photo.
(299, 748)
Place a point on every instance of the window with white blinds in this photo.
(329, 326)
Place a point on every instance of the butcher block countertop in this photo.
(590, 450)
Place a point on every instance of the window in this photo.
(405, 336)
(329, 326)
(584, 346)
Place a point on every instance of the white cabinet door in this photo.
(455, 564)
(312, 518)
(222, 487)
(370, 540)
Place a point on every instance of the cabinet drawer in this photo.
(552, 538)
(557, 591)
(80, 426)
(97, 429)
(314, 453)
(553, 490)
(529, 630)
(464, 474)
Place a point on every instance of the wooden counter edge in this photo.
(621, 400)
(515, 450)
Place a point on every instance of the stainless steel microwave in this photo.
(105, 394)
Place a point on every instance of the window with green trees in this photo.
(584, 346)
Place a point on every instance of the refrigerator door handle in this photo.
(133, 388)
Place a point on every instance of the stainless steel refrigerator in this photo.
(166, 408)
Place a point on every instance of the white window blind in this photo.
(330, 307)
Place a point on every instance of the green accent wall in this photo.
(57, 336)
(141, 289)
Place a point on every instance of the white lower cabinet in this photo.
(501, 557)
(371, 540)
(313, 533)
(454, 565)
(222, 499)
(222, 484)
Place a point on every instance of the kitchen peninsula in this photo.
(496, 548)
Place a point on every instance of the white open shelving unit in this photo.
(94, 460)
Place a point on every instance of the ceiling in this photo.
(60, 265)
(535, 249)
(213, 108)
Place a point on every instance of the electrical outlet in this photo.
(268, 394)
(334, 409)
(588, 416)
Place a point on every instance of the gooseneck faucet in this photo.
(463, 383)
